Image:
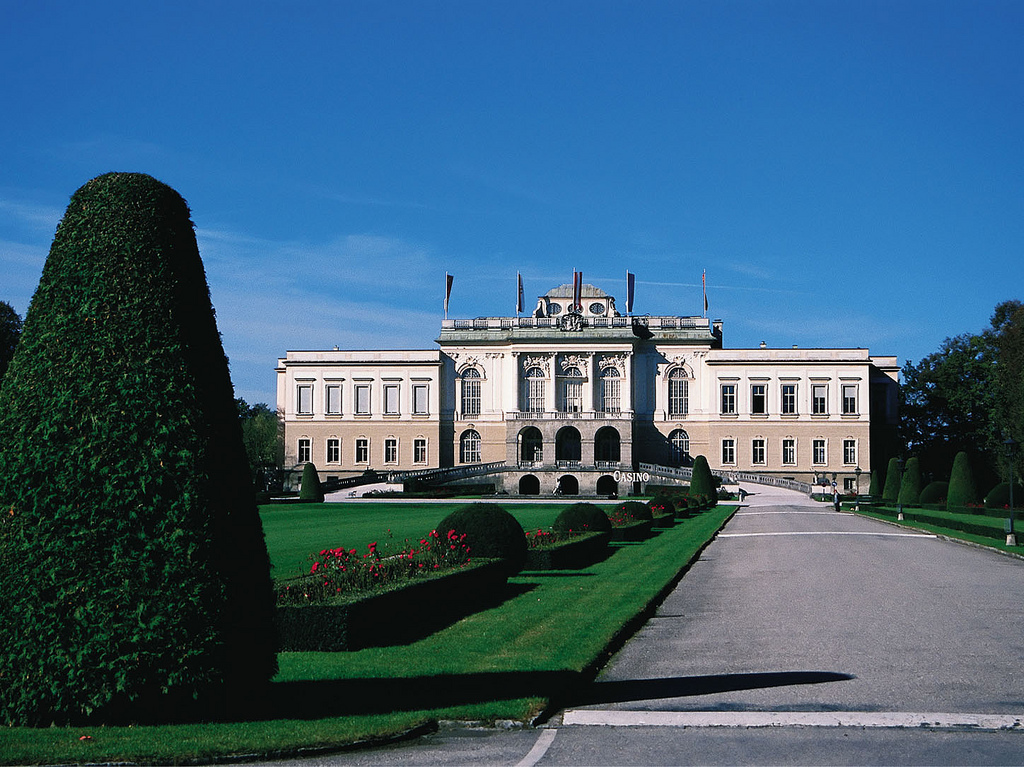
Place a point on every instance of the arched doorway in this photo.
(568, 485)
(606, 445)
(567, 446)
(606, 485)
(529, 485)
(531, 447)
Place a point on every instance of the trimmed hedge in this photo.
(934, 492)
(910, 487)
(702, 483)
(999, 496)
(962, 489)
(582, 517)
(572, 554)
(134, 579)
(893, 479)
(400, 616)
(491, 533)
(310, 490)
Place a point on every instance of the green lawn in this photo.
(294, 531)
(510, 662)
(946, 522)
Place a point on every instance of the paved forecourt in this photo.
(800, 615)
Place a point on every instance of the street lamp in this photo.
(899, 504)
(1011, 450)
(856, 500)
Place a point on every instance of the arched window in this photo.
(533, 390)
(610, 390)
(471, 392)
(678, 392)
(469, 446)
(679, 441)
(572, 391)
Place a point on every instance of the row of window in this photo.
(759, 454)
(361, 450)
(570, 391)
(788, 400)
(362, 399)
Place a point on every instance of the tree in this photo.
(910, 487)
(947, 402)
(260, 436)
(893, 478)
(10, 330)
(962, 489)
(134, 577)
(701, 481)
(1007, 339)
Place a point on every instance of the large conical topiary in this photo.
(962, 490)
(134, 578)
(702, 483)
(311, 490)
(910, 487)
(893, 479)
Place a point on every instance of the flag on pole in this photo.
(448, 280)
(704, 284)
(577, 290)
(630, 291)
(519, 293)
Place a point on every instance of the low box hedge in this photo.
(638, 531)
(664, 521)
(392, 617)
(581, 551)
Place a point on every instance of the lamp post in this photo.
(899, 504)
(1011, 450)
(856, 500)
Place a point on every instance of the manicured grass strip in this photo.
(995, 540)
(508, 662)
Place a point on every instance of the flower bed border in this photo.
(400, 615)
(638, 531)
(570, 555)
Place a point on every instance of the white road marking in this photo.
(771, 513)
(540, 748)
(827, 532)
(889, 719)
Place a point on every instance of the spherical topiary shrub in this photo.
(999, 496)
(582, 517)
(633, 511)
(491, 533)
(311, 490)
(662, 505)
(935, 492)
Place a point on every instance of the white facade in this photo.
(567, 396)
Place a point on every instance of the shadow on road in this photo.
(317, 699)
(688, 686)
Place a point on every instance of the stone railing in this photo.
(732, 477)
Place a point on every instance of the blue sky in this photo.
(848, 173)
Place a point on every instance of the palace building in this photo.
(575, 395)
